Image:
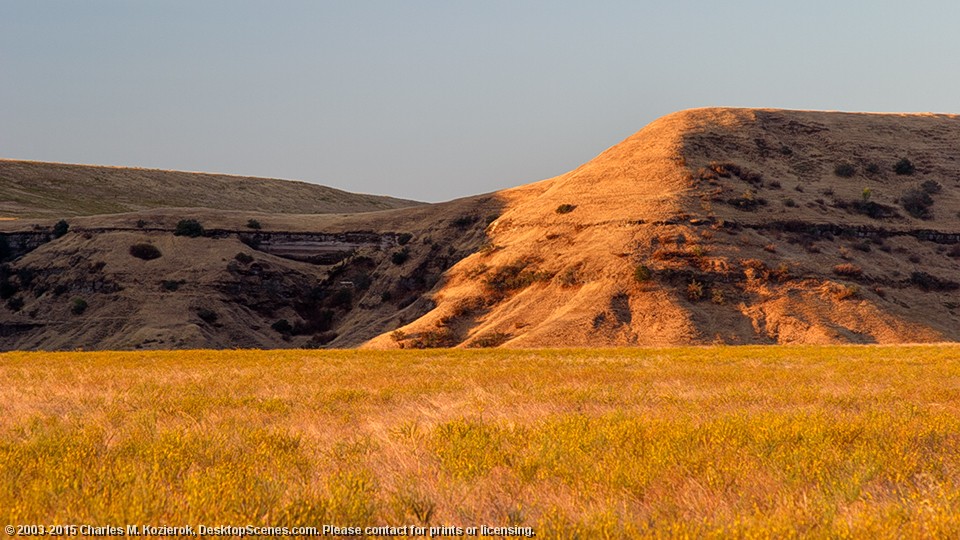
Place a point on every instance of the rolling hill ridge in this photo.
(34, 189)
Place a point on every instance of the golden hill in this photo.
(707, 226)
(38, 189)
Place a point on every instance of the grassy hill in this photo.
(735, 226)
(30, 189)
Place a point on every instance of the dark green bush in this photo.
(904, 167)
(400, 257)
(844, 170)
(15, 303)
(642, 273)
(253, 224)
(463, 222)
(188, 227)
(917, 203)
(514, 277)
(403, 238)
(60, 228)
(78, 306)
(170, 285)
(146, 252)
(566, 208)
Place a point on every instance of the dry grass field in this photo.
(831, 441)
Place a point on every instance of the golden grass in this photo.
(716, 442)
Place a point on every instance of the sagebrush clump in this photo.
(188, 227)
(147, 252)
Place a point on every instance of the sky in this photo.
(434, 100)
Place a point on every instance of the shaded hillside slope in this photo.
(57, 190)
(127, 281)
(727, 226)
(708, 226)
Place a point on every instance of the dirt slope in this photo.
(707, 226)
(36, 189)
(777, 242)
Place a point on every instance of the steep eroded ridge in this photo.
(724, 225)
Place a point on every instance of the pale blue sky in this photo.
(433, 100)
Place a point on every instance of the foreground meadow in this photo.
(742, 441)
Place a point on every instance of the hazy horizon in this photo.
(434, 100)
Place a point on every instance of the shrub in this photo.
(60, 228)
(253, 224)
(917, 203)
(146, 252)
(695, 290)
(78, 306)
(403, 238)
(513, 277)
(868, 208)
(400, 257)
(929, 282)
(790, 203)
(207, 315)
(491, 340)
(434, 339)
(848, 269)
(188, 227)
(747, 202)
(717, 297)
(141, 223)
(844, 170)
(846, 292)
(904, 167)
(863, 246)
(642, 273)
(565, 208)
(170, 285)
(781, 273)
(931, 186)
(569, 277)
(873, 168)
(15, 303)
(463, 222)
(724, 170)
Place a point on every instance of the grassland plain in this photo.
(838, 441)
